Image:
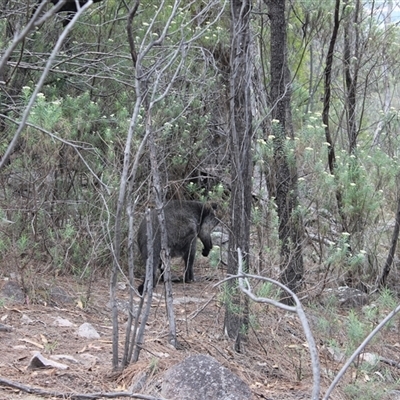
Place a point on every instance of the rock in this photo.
(5, 328)
(87, 331)
(88, 360)
(59, 296)
(25, 320)
(62, 322)
(202, 377)
(38, 361)
(138, 383)
(347, 297)
(65, 357)
(13, 292)
(370, 358)
(336, 354)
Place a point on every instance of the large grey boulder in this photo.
(346, 297)
(202, 377)
(12, 292)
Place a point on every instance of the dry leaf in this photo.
(83, 350)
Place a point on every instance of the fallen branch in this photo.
(392, 363)
(359, 350)
(75, 396)
(244, 286)
(197, 312)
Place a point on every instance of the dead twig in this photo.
(75, 396)
(392, 363)
(197, 312)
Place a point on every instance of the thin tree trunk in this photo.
(131, 278)
(138, 332)
(390, 257)
(118, 217)
(290, 222)
(351, 79)
(165, 256)
(236, 313)
(325, 112)
(327, 91)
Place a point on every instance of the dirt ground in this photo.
(275, 362)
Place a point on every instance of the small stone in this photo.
(5, 328)
(87, 331)
(63, 322)
(59, 296)
(346, 297)
(88, 360)
(369, 358)
(66, 357)
(26, 320)
(39, 361)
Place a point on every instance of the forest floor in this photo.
(275, 362)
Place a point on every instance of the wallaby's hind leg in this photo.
(189, 261)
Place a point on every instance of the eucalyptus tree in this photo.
(240, 126)
(290, 221)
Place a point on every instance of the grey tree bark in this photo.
(290, 221)
(236, 313)
(351, 77)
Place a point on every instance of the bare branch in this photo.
(147, 294)
(359, 350)
(39, 85)
(131, 15)
(76, 396)
(31, 24)
(244, 286)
